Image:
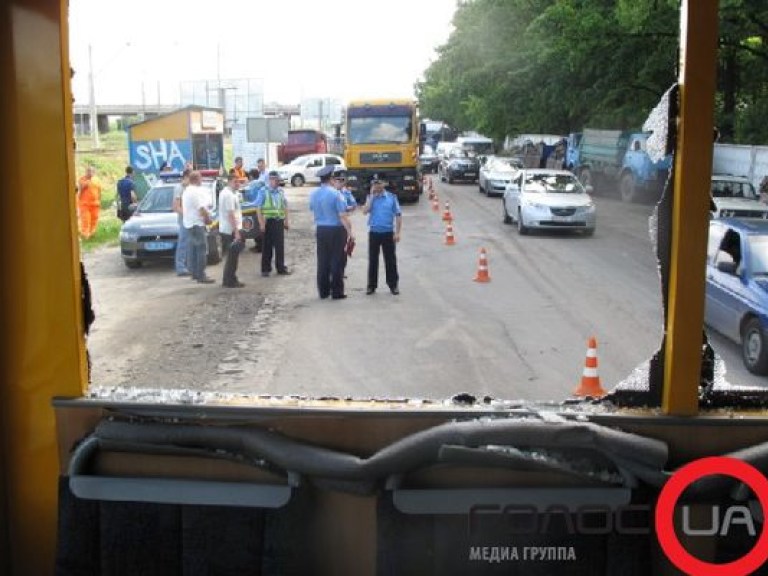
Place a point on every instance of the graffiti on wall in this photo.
(150, 155)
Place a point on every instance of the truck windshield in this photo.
(380, 130)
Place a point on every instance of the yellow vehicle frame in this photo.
(45, 341)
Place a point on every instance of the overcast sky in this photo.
(340, 49)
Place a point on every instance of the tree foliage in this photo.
(555, 66)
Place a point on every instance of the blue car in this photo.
(737, 286)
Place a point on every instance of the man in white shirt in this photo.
(196, 205)
(230, 224)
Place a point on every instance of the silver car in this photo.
(496, 173)
(152, 232)
(548, 199)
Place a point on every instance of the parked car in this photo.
(152, 232)
(734, 196)
(737, 286)
(548, 199)
(459, 164)
(304, 169)
(496, 173)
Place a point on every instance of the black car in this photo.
(458, 164)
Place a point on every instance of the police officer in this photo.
(333, 228)
(384, 223)
(339, 181)
(272, 212)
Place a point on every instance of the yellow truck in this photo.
(382, 137)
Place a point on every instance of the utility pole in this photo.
(92, 90)
(320, 114)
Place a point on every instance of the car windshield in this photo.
(158, 199)
(553, 183)
(733, 189)
(300, 160)
(506, 164)
(758, 255)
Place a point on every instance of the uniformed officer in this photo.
(333, 228)
(384, 223)
(339, 181)
(272, 212)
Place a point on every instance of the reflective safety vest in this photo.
(269, 209)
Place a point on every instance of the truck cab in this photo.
(383, 139)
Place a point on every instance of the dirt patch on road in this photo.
(154, 329)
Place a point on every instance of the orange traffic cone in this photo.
(435, 204)
(447, 216)
(590, 381)
(449, 239)
(482, 268)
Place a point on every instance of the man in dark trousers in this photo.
(333, 228)
(384, 223)
(126, 194)
(272, 211)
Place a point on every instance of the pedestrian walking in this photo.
(272, 212)
(126, 194)
(333, 228)
(230, 229)
(197, 215)
(384, 223)
(180, 258)
(89, 202)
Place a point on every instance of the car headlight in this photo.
(129, 236)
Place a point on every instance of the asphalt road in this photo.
(523, 335)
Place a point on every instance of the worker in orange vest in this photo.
(88, 202)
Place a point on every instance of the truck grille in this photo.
(381, 157)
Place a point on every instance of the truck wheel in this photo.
(627, 187)
(297, 181)
(754, 348)
(585, 177)
(214, 254)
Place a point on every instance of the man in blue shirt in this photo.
(126, 194)
(333, 227)
(384, 223)
(272, 211)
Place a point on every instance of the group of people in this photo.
(192, 203)
(331, 204)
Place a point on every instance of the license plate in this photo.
(469, 174)
(561, 218)
(158, 245)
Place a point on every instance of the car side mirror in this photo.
(727, 267)
(590, 189)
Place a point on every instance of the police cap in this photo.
(325, 172)
(273, 174)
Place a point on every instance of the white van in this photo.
(479, 145)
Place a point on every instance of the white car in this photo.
(549, 199)
(496, 173)
(304, 169)
(735, 197)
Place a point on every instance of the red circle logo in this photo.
(665, 509)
